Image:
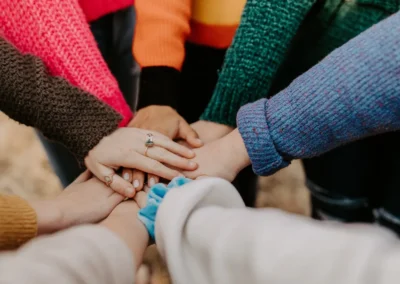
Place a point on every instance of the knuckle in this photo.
(156, 165)
(162, 153)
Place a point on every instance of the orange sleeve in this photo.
(162, 27)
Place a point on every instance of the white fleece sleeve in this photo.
(81, 255)
(207, 236)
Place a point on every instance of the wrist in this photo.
(49, 216)
(131, 231)
(240, 159)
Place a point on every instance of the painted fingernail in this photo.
(152, 182)
(136, 183)
(129, 191)
(126, 176)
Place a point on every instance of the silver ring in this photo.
(149, 142)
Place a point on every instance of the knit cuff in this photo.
(18, 222)
(255, 131)
(223, 106)
(159, 85)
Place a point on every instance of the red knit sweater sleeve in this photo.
(94, 9)
(56, 31)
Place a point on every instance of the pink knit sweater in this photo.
(95, 9)
(57, 32)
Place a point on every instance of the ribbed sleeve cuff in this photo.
(159, 85)
(18, 222)
(255, 131)
(224, 105)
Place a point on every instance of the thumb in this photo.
(187, 133)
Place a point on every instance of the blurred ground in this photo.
(24, 170)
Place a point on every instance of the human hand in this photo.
(86, 200)
(165, 120)
(210, 131)
(223, 158)
(126, 148)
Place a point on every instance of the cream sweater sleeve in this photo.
(85, 255)
(207, 235)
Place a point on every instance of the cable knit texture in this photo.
(56, 31)
(351, 94)
(18, 222)
(95, 9)
(269, 31)
(62, 112)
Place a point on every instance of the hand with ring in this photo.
(134, 148)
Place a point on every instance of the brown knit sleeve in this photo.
(18, 222)
(62, 112)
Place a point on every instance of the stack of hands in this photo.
(202, 149)
(122, 166)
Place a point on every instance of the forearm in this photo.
(134, 236)
(257, 246)
(211, 226)
(261, 42)
(159, 47)
(351, 94)
(86, 254)
(29, 95)
(67, 47)
(161, 30)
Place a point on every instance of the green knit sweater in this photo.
(278, 40)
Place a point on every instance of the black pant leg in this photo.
(340, 182)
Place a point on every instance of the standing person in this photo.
(275, 42)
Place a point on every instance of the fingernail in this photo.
(136, 183)
(129, 191)
(192, 164)
(199, 141)
(180, 175)
(191, 152)
(126, 176)
(152, 182)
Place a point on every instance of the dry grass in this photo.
(25, 171)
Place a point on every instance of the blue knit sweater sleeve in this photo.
(353, 93)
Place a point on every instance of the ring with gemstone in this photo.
(149, 142)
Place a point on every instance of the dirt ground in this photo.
(25, 171)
